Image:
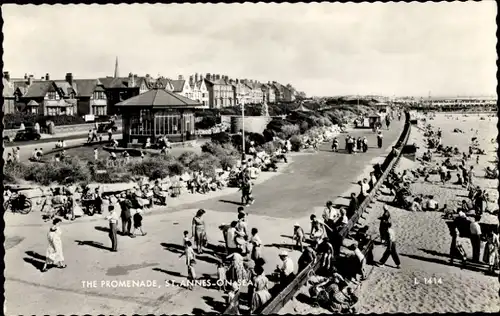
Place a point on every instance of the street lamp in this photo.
(243, 158)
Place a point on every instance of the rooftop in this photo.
(159, 98)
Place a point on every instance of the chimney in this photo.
(6, 75)
(196, 79)
(26, 76)
(181, 77)
(47, 77)
(237, 81)
(131, 80)
(30, 80)
(191, 79)
(217, 77)
(69, 78)
(207, 76)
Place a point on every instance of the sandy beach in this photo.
(426, 282)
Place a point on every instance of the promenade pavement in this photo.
(288, 196)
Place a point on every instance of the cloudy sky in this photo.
(322, 49)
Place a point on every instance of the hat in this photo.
(284, 253)
(461, 214)
(386, 208)
(296, 225)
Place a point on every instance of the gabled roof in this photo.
(302, 108)
(166, 82)
(39, 89)
(86, 87)
(32, 103)
(120, 82)
(159, 98)
(66, 87)
(178, 85)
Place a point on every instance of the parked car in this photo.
(27, 134)
(105, 126)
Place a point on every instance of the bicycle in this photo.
(18, 203)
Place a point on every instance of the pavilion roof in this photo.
(159, 98)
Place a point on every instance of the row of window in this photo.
(99, 110)
(53, 111)
(161, 124)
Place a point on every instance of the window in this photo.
(167, 123)
(99, 110)
(99, 95)
(52, 95)
(142, 123)
(33, 110)
(51, 111)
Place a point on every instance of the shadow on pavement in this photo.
(172, 273)
(230, 202)
(217, 306)
(102, 229)
(434, 253)
(91, 243)
(35, 259)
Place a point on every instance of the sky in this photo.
(446, 49)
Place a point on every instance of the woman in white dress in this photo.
(54, 254)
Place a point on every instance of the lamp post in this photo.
(243, 158)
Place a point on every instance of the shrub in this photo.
(206, 163)
(206, 122)
(68, 171)
(151, 168)
(257, 138)
(14, 172)
(289, 130)
(271, 147)
(268, 135)
(296, 143)
(187, 157)
(221, 138)
(176, 168)
(226, 153)
(304, 126)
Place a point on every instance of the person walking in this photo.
(198, 231)
(385, 221)
(256, 242)
(475, 239)
(138, 223)
(126, 216)
(365, 144)
(491, 251)
(391, 249)
(261, 286)
(380, 137)
(113, 227)
(190, 262)
(54, 254)
(456, 248)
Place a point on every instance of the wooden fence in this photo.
(277, 303)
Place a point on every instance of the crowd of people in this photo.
(242, 259)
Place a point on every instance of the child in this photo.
(186, 238)
(190, 262)
(232, 292)
(138, 222)
(221, 276)
(298, 236)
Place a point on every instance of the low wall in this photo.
(277, 303)
(62, 129)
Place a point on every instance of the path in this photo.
(281, 201)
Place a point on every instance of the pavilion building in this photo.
(157, 112)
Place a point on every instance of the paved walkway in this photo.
(286, 198)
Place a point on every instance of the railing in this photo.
(277, 303)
